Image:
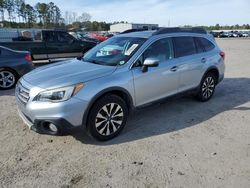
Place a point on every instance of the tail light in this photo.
(223, 55)
(28, 57)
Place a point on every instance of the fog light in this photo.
(52, 127)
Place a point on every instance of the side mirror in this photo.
(150, 62)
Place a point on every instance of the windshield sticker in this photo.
(121, 62)
(131, 49)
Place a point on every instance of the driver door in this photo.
(158, 82)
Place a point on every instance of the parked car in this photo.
(101, 37)
(13, 65)
(245, 34)
(52, 45)
(215, 34)
(234, 34)
(224, 35)
(100, 90)
(84, 37)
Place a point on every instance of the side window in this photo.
(206, 44)
(161, 49)
(49, 36)
(184, 46)
(199, 46)
(38, 36)
(64, 37)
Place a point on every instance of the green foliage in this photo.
(89, 26)
(227, 27)
(45, 15)
(49, 15)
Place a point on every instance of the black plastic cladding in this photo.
(180, 30)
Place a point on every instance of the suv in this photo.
(117, 76)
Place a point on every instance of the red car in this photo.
(101, 37)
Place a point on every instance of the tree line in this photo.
(228, 27)
(18, 14)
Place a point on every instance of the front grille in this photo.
(23, 93)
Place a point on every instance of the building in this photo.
(120, 27)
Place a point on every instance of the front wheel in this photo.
(107, 117)
(8, 79)
(207, 88)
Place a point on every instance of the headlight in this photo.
(59, 95)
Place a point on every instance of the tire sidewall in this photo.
(91, 127)
(200, 94)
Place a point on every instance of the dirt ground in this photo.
(182, 143)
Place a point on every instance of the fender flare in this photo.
(129, 100)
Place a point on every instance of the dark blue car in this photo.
(13, 65)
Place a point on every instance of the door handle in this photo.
(204, 60)
(174, 69)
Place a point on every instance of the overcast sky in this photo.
(178, 12)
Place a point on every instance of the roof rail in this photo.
(133, 30)
(165, 30)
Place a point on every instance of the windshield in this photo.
(114, 51)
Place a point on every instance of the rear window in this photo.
(207, 45)
(184, 46)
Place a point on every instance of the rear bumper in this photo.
(24, 68)
(221, 77)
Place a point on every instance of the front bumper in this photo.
(66, 116)
(41, 126)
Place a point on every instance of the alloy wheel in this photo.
(7, 79)
(109, 119)
(208, 87)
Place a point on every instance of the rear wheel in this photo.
(107, 118)
(207, 87)
(8, 79)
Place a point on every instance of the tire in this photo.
(107, 117)
(8, 79)
(207, 87)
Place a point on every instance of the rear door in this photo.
(190, 63)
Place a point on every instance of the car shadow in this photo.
(10, 92)
(180, 113)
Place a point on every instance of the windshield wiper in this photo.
(95, 62)
(92, 61)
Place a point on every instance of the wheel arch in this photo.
(213, 70)
(119, 91)
(10, 69)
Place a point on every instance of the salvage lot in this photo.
(182, 143)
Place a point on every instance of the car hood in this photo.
(66, 73)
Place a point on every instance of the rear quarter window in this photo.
(184, 46)
(207, 45)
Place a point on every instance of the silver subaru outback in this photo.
(117, 76)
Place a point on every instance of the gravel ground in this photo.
(182, 143)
